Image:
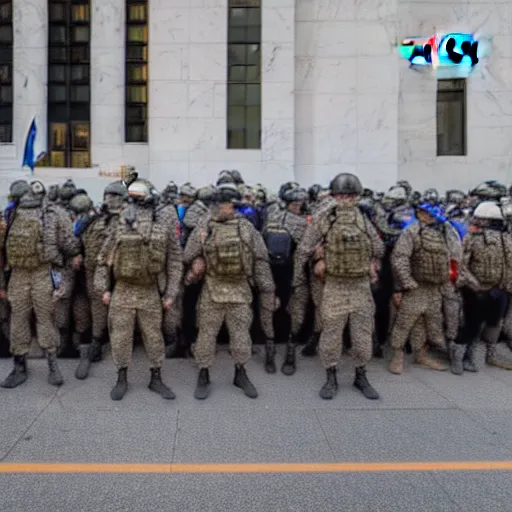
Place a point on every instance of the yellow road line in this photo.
(349, 467)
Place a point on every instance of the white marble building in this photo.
(335, 95)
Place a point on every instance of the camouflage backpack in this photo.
(347, 245)
(431, 259)
(224, 249)
(487, 262)
(24, 245)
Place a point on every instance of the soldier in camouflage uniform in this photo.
(93, 232)
(282, 233)
(138, 274)
(343, 244)
(485, 281)
(421, 262)
(234, 257)
(34, 247)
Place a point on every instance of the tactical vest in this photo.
(140, 252)
(24, 245)
(430, 263)
(226, 254)
(347, 245)
(487, 261)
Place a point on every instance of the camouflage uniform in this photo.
(34, 246)
(485, 282)
(421, 269)
(144, 256)
(236, 258)
(347, 298)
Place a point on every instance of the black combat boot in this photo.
(203, 384)
(310, 348)
(270, 355)
(242, 381)
(157, 385)
(469, 361)
(54, 375)
(289, 365)
(330, 388)
(119, 390)
(361, 383)
(457, 352)
(82, 370)
(18, 375)
(95, 351)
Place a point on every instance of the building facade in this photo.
(278, 89)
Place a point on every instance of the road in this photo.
(73, 449)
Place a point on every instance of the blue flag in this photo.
(33, 149)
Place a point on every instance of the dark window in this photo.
(451, 117)
(69, 83)
(6, 42)
(136, 113)
(244, 75)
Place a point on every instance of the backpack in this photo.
(488, 258)
(279, 243)
(431, 260)
(223, 249)
(347, 245)
(24, 245)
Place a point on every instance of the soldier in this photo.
(232, 255)
(35, 248)
(282, 233)
(343, 244)
(421, 263)
(138, 274)
(484, 280)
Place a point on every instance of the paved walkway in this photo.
(286, 451)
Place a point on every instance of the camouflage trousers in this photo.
(141, 304)
(420, 309)
(98, 310)
(452, 309)
(343, 303)
(80, 308)
(507, 321)
(32, 291)
(210, 317)
(64, 306)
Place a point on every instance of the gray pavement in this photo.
(422, 416)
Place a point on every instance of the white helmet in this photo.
(396, 193)
(488, 210)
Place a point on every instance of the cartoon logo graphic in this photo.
(451, 55)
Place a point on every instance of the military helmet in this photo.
(406, 185)
(431, 195)
(346, 183)
(295, 194)
(53, 193)
(67, 190)
(81, 203)
(18, 189)
(116, 188)
(139, 190)
(37, 188)
(490, 189)
(313, 192)
(206, 194)
(488, 210)
(227, 193)
(285, 187)
(237, 177)
(455, 196)
(396, 194)
(188, 190)
(225, 176)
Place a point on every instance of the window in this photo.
(451, 117)
(6, 42)
(244, 75)
(69, 83)
(136, 118)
